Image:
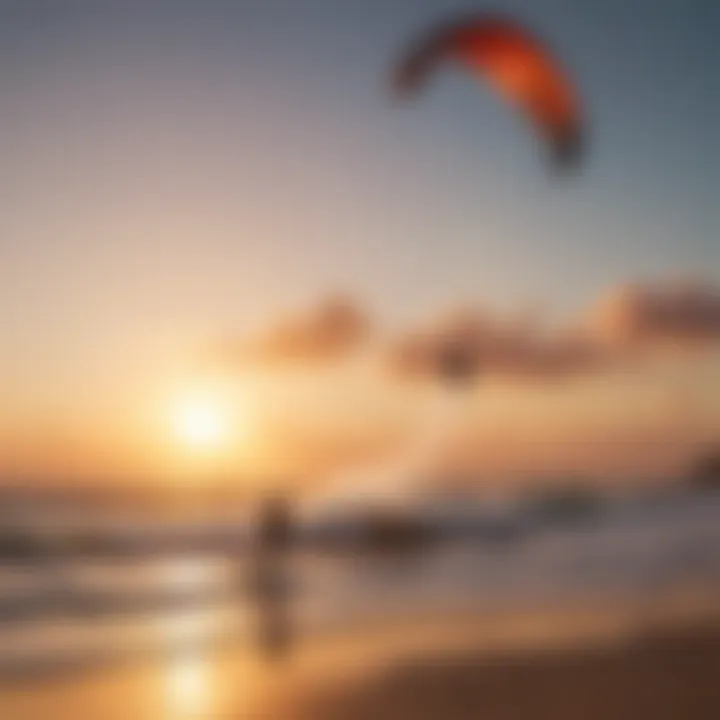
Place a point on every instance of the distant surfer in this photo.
(269, 584)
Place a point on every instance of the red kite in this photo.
(519, 65)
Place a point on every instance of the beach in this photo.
(565, 663)
(670, 675)
(618, 618)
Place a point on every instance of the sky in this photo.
(180, 172)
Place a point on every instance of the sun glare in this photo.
(203, 423)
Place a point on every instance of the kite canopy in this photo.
(516, 63)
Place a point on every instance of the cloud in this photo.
(330, 332)
(470, 343)
(679, 315)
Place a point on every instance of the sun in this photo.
(203, 423)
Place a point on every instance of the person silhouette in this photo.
(269, 578)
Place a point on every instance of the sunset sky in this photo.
(181, 177)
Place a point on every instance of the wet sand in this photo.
(672, 675)
(565, 666)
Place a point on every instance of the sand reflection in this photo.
(189, 691)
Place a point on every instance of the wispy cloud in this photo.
(648, 317)
(471, 342)
(683, 315)
(475, 343)
(328, 333)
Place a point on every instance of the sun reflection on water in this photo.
(189, 686)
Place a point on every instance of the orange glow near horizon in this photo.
(193, 428)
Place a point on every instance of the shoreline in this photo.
(561, 656)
